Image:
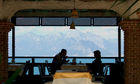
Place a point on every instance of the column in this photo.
(5, 27)
(131, 30)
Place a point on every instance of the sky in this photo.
(49, 40)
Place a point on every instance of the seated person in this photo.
(58, 60)
(97, 64)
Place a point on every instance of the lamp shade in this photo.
(74, 13)
(72, 26)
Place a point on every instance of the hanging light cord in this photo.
(74, 4)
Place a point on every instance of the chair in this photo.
(101, 76)
(49, 68)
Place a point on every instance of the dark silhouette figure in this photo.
(97, 68)
(58, 60)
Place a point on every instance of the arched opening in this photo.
(96, 30)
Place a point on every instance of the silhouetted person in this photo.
(58, 60)
(97, 63)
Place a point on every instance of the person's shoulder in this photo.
(57, 54)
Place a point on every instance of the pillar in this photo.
(5, 27)
(131, 30)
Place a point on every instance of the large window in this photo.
(48, 41)
(46, 36)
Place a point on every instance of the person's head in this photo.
(63, 52)
(97, 54)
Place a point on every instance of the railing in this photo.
(22, 60)
(107, 61)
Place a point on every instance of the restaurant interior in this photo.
(79, 26)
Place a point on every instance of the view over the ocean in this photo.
(49, 40)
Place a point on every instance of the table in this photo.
(14, 67)
(77, 67)
(72, 78)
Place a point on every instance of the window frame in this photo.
(13, 20)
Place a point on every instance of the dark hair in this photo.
(63, 50)
(97, 54)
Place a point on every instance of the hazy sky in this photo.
(49, 40)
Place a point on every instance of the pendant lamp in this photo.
(72, 26)
(74, 12)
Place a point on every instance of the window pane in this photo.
(36, 71)
(80, 21)
(122, 43)
(105, 21)
(10, 44)
(48, 41)
(27, 21)
(27, 73)
(53, 21)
